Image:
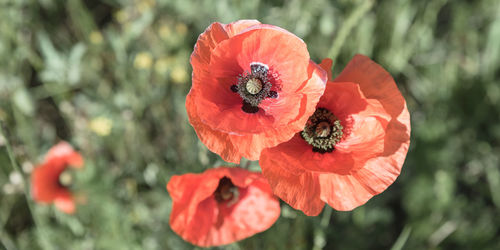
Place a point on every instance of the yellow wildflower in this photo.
(95, 37)
(179, 74)
(101, 125)
(143, 60)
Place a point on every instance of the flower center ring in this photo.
(322, 131)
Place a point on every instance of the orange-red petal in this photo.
(210, 38)
(287, 57)
(198, 218)
(376, 83)
(326, 64)
(222, 53)
(364, 163)
(45, 181)
(45, 186)
(295, 186)
(231, 146)
(65, 153)
(65, 202)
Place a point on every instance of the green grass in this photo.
(69, 69)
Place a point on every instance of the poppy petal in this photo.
(375, 83)
(300, 189)
(231, 58)
(210, 38)
(64, 152)
(370, 155)
(243, 219)
(343, 192)
(382, 171)
(44, 183)
(207, 222)
(221, 57)
(326, 64)
(235, 28)
(65, 202)
(217, 142)
(231, 147)
(188, 191)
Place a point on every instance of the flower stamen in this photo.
(253, 87)
(226, 191)
(322, 131)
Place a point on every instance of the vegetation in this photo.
(111, 77)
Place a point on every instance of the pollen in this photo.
(322, 131)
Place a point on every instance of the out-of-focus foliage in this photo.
(111, 78)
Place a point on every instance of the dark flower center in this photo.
(226, 191)
(253, 87)
(322, 131)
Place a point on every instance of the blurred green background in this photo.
(111, 78)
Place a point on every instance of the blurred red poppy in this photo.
(352, 147)
(254, 87)
(46, 186)
(221, 205)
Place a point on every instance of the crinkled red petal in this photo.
(198, 218)
(65, 202)
(45, 181)
(64, 153)
(370, 160)
(220, 108)
(210, 38)
(231, 147)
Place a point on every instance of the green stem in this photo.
(346, 28)
(16, 167)
(325, 220)
(320, 235)
(5, 241)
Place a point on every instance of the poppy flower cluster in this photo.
(257, 94)
(49, 182)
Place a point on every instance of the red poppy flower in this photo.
(221, 205)
(45, 179)
(254, 87)
(352, 147)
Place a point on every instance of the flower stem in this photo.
(346, 28)
(46, 244)
(320, 238)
